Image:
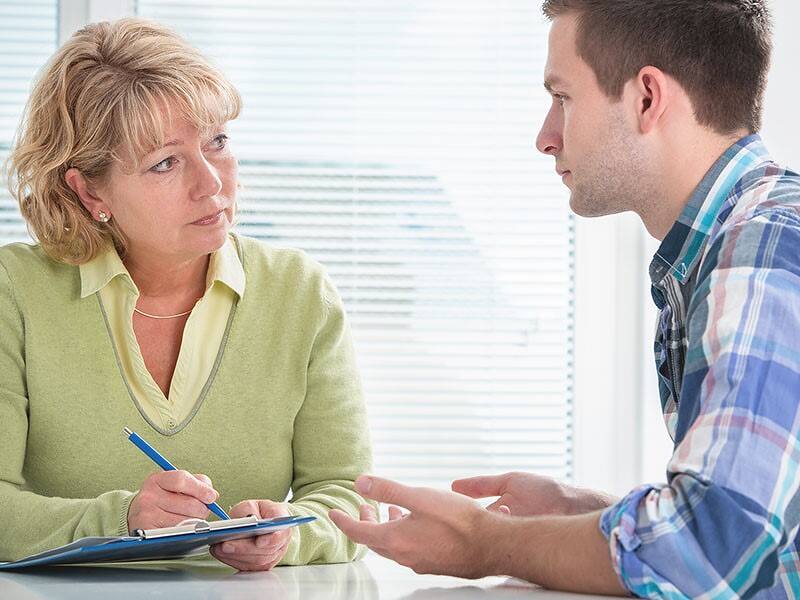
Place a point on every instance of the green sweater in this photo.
(282, 409)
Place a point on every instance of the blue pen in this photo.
(167, 466)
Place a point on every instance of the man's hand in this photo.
(168, 497)
(526, 494)
(449, 534)
(442, 533)
(259, 553)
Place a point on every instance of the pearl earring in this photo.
(103, 217)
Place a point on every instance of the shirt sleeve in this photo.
(29, 522)
(331, 444)
(724, 524)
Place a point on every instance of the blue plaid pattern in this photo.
(727, 282)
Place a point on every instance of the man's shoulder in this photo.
(766, 197)
(766, 190)
(761, 229)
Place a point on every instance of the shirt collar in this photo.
(98, 272)
(224, 266)
(682, 248)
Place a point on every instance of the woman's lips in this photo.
(209, 219)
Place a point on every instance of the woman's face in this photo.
(179, 203)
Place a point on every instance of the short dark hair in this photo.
(718, 50)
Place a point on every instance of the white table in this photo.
(373, 578)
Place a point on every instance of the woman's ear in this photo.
(96, 206)
(651, 95)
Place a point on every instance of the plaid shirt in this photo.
(727, 281)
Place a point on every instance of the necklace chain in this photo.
(141, 312)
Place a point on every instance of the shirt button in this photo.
(171, 424)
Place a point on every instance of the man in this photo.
(656, 105)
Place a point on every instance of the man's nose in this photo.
(549, 140)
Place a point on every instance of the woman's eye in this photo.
(164, 166)
(220, 141)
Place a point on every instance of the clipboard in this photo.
(187, 539)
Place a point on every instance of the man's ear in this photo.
(651, 90)
(78, 184)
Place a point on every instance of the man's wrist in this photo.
(587, 500)
(558, 552)
(488, 538)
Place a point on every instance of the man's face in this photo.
(595, 143)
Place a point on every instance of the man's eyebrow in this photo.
(550, 82)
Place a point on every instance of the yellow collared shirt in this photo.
(205, 328)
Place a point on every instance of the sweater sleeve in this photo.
(331, 443)
(29, 522)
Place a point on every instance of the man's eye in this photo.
(164, 166)
(559, 99)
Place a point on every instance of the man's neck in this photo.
(684, 165)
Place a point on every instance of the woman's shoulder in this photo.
(28, 261)
(280, 270)
(259, 256)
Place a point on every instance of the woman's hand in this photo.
(168, 497)
(259, 553)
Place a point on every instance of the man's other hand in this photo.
(527, 494)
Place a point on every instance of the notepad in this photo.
(180, 541)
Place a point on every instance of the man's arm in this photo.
(725, 524)
(449, 534)
(560, 553)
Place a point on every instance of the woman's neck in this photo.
(165, 281)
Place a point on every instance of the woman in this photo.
(139, 308)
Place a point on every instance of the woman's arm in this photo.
(30, 522)
(331, 443)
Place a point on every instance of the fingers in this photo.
(245, 509)
(361, 532)
(395, 513)
(262, 545)
(181, 506)
(146, 512)
(391, 492)
(482, 486)
(183, 482)
(367, 512)
(245, 559)
(263, 509)
(204, 478)
(168, 497)
(269, 509)
(255, 549)
(500, 508)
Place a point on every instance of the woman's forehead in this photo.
(166, 129)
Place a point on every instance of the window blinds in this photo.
(394, 141)
(28, 32)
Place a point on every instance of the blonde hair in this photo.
(102, 97)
